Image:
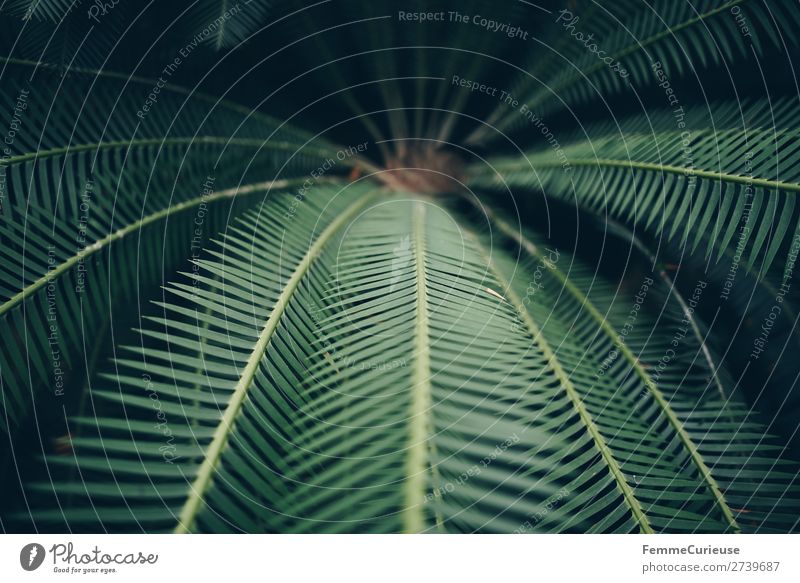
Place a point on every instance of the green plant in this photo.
(326, 343)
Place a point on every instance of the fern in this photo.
(326, 341)
(51, 241)
(716, 174)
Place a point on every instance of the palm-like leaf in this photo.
(683, 37)
(354, 357)
(248, 312)
(680, 182)
(392, 376)
(729, 449)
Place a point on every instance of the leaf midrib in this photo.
(196, 498)
(419, 415)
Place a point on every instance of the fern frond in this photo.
(377, 354)
(738, 179)
(233, 325)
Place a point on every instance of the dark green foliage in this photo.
(396, 350)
